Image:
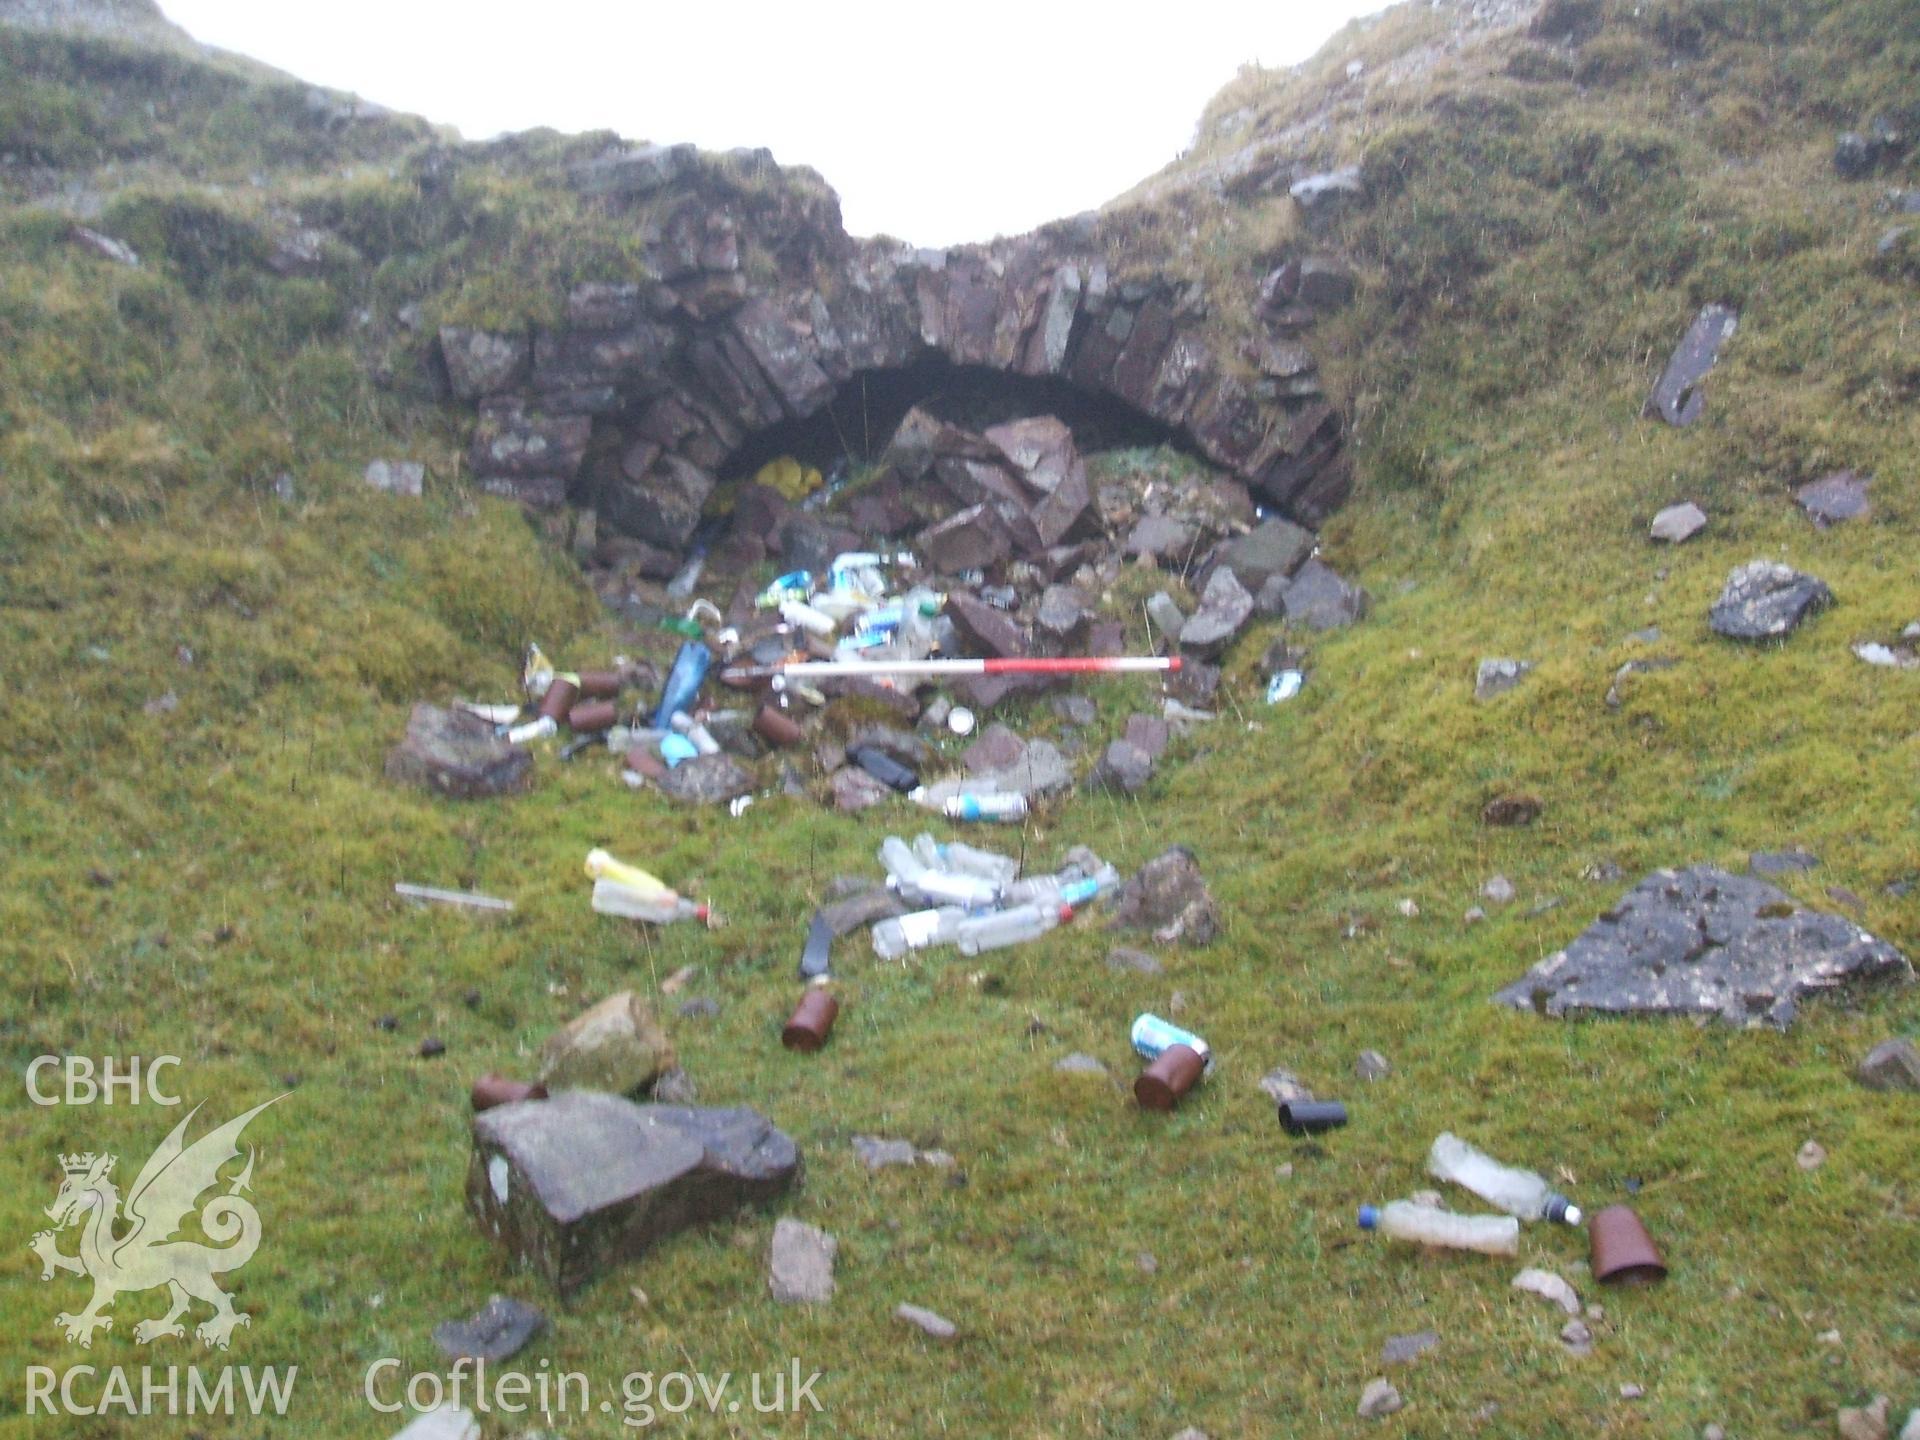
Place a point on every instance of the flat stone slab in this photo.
(457, 754)
(1764, 600)
(500, 1330)
(1834, 499)
(1678, 524)
(574, 1185)
(1678, 397)
(800, 1263)
(1701, 941)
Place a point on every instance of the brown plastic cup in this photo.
(1623, 1252)
(592, 716)
(645, 760)
(559, 698)
(599, 684)
(1172, 1075)
(776, 727)
(812, 1021)
(492, 1090)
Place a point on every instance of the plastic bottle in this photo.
(1010, 927)
(815, 622)
(658, 908)
(922, 930)
(1424, 1225)
(541, 729)
(683, 682)
(697, 734)
(1151, 1035)
(986, 807)
(1518, 1192)
(911, 877)
(964, 859)
(602, 866)
(1072, 887)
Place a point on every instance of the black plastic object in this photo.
(814, 958)
(884, 768)
(1310, 1117)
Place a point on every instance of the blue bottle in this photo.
(683, 682)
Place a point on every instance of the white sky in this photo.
(935, 123)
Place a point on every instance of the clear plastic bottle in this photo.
(922, 930)
(1068, 885)
(1010, 927)
(912, 878)
(814, 622)
(661, 907)
(1518, 1192)
(602, 866)
(1426, 1225)
(697, 734)
(541, 729)
(963, 859)
(986, 807)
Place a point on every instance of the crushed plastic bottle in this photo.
(1518, 1192)
(1010, 927)
(808, 618)
(1069, 885)
(1284, 686)
(964, 859)
(662, 908)
(921, 930)
(602, 866)
(1426, 1225)
(697, 734)
(913, 879)
(541, 729)
(1005, 808)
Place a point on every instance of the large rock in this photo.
(987, 629)
(1704, 942)
(1317, 597)
(706, 780)
(1274, 547)
(1498, 676)
(1891, 1065)
(1040, 448)
(484, 362)
(972, 539)
(1225, 608)
(1834, 499)
(1679, 397)
(661, 503)
(457, 754)
(524, 451)
(1764, 600)
(616, 1046)
(1169, 896)
(578, 1183)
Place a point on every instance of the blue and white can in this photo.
(1152, 1036)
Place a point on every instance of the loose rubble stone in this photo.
(1548, 1286)
(1834, 499)
(800, 1263)
(706, 780)
(1225, 608)
(575, 1184)
(1062, 617)
(1498, 891)
(674, 1087)
(105, 246)
(1075, 710)
(1167, 617)
(1678, 524)
(1372, 1065)
(972, 539)
(1679, 397)
(1764, 600)
(1891, 1065)
(1160, 537)
(445, 1422)
(397, 477)
(1273, 547)
(1782, 862)
(1811, 1156)
(878, 1154)
(1404, 1349)
(1378, 1399)
(616, 1046)
(1577, 1337)
(499, 1331)
(1631, 1391)
(1866, 1422)
(457, 754)
(1316, 596)
(1041, 770)
(997, 748)
(1078, 1064)
(1137, 962)
(987, 629)
(1123, 766)
(865, 907)
(1169, 896)
(937, 1327)
(1704, 942)
(1283, 1087)
(1497, 677)
(1511, 810)
(1149, 733)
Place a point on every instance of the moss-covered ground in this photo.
(214, 880)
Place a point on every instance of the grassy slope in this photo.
(1505, 486)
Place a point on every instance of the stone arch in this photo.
(751, 311)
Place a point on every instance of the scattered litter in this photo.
(629, 893)
(1284, 686)
(1426, 1225)
(960, 720)
(1621, 1251)
(465, 899)
(737, 806)
(1311, 1117)
(812, 1020)
(1178, 1058)
(1518, 1192)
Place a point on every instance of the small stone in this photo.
(1577, 1337)
(1911, 1430)
(1868, 1422)
(1811, 1156)
(937, 1327)
(445, 1422)
(617, 1046)
(675, 1087)
(1474, 916)
(1123, 767)
(1169, 896)
(1497, 677)
(702, 1007)
(432, 1047)
(1372, 1065)
(1283, 1087)
(1075, 709)
(1498, 891)
(800, 1263)
(1409, 909)
(1548, 1286)
(1136, 961)
(1283, 1172)
(679, 980)
(1713, 1432)
(1378, 1399)
(1891, 1065)
(855, 790)
(1225, 608)
(1512, 810)
(1165, 615)
(706, 780)
(1631, 1391)
(1782, 862)
(1404, 1349)
(1190, 1433)
(1147, 1263)
(877, 1154)
(396, 477)
(1834, 499)
(1078, 1064)
(1678, 524)
(498, 1332)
